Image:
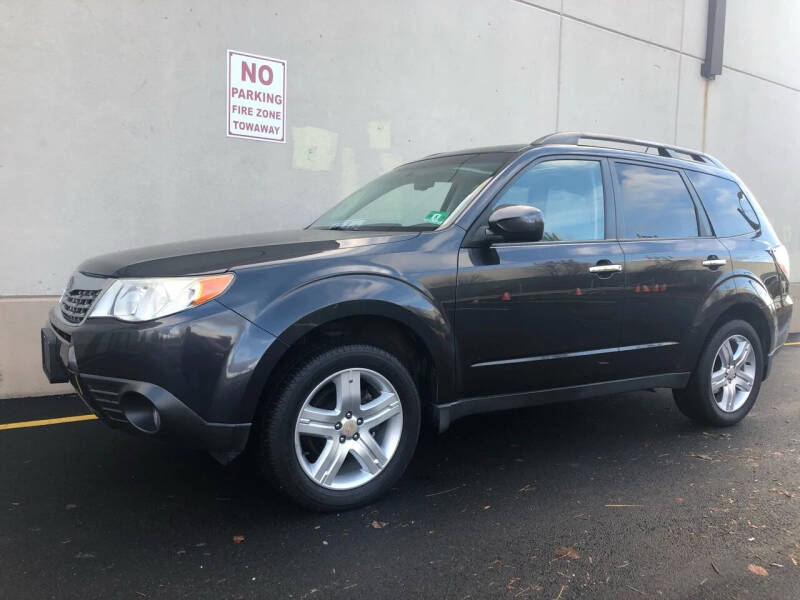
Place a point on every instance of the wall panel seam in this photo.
(650, 42)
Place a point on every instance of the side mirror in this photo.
(516, 223)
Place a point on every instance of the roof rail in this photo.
(571, 138)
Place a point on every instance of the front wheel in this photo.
(724, 386)
(342, 429)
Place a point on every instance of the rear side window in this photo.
(727, 206)
(568, 192)
(654, 203)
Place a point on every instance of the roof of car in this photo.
(509, 148)
(596, 140)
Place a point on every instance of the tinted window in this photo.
(654, 203)
(568, 192)
(727, 207)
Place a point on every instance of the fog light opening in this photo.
(140, 412)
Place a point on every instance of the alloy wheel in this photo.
(733, 373)
(348, 429)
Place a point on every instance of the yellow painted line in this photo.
(44, 422)
(792, 344)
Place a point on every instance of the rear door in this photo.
(672, 262)
(533, 316)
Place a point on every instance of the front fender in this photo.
(301, 310)
(737, 289)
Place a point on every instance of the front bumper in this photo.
(140, 407)
(188, 378)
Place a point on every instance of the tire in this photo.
(356, 466)
(726, 401)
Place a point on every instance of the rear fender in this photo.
(736, 290)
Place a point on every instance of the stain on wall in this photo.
(313, 148)
(380, 134)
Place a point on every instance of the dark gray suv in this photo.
(575, 266)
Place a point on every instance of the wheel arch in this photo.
(738, 297)
(375, 310)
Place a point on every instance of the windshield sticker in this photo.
(437, 217)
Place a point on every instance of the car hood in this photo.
(219, 254)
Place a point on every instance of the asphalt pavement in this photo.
(619, 497)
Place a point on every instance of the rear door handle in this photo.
(610, 268)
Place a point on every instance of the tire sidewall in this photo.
(710, 406)
(280, 434)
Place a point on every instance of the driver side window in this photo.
(568, 192)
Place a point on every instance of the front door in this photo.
(532, 316)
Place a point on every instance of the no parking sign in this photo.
(256, 97)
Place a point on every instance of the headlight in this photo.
(147, 299)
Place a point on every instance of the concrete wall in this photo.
(20, 351)
(113, 113)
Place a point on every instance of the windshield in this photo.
(415, 197)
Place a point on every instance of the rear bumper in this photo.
(188, 379)
(783, 322)
(783, 317)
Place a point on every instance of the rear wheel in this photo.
(724, 386)
(342, 429)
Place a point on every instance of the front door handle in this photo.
(713, 262)
(607, 268)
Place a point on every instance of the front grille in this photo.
(75, 304)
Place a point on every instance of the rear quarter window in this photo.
(728, 208)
